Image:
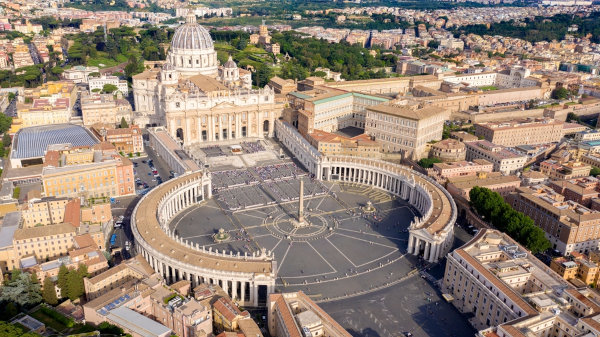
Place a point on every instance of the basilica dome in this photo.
(192, 50)
(192, 36)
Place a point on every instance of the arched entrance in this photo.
(266, 128)
(179, 134)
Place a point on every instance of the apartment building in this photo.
(448, 150)
(460, 186)
(296, 315)
(334, 144)
(126, 140)
(44, 112)
(563, 171)
(581, 190)
(530, 131)
(79, 74)
(104, 109)
(45, 211)
(50, 103)
(505, 161)
(96, 84)
(134, 269)
(576, 267)
(568, 225)
(186, 317)
(405, 129)
(461, 168)
(97, 171)
(44, 242)
(508, 292)
(92, 258)
(227, 315)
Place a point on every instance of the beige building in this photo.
(135, 269)
(296, 315)
(405, 129)
(104, 109)
(44, 212)
(97, 171)
(510, 293)
(323, 108)
(50, 103)
(568, 225)
(126, 140)
(461, 168)
(281, 86)
(529, 131)
(460, 186)
(448, 150)
(335, 144)
(564, 171)
(44, 242)
(505, 161)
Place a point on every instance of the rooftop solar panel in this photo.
(32, 142)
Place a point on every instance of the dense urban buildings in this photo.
(173, 169)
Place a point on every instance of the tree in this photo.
(262, 75)
(63, 271)
(75, 286)
(242, 44)
(109, 88)
(517, 225)
(6, 140)
(123, 124)
(572, 117)
(428, 162)
(21, 290)
(82, 270)
(48, 292)
(5, 122)
(595, 171)
(560, 93)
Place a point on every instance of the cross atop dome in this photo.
(190, 18)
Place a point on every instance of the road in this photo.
(124, 206)
(11, 110)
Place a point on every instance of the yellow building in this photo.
(577, 267)
(88, 172)
(334, 144)
(565, 268)
(51, 103)
(226, 315)
(44, 212)
(44, 242)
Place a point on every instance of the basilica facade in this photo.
(199, 100)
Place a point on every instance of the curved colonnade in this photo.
(431, 234)
(241, 276)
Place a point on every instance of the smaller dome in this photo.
(230, 64)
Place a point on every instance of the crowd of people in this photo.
(279, 172)
(252, 147)
(232, 178)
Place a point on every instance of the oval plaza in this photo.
(174, 234)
